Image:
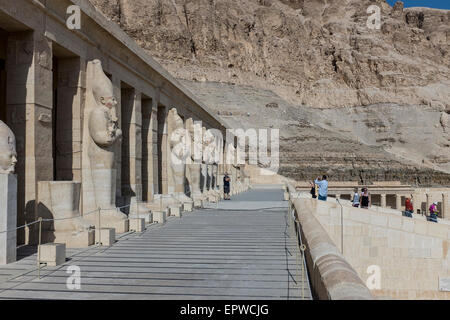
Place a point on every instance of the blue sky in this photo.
(440, 4)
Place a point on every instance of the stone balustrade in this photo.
(411, 255)
(331, 276)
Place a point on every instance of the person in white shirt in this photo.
(323, 187)
(355, 201)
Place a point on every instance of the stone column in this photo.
(383, 200)
(132, 142)
(427, 203)
(154, 127)
(209, 181)
(338, 196)
(233, 180)
(150, 156)
(398, 202)
(8, 218)
(70, 103)
(29, 103)
(117, 89)
(445, 206)
(165, 156)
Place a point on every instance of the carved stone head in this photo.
(8, 154)
(102, 86)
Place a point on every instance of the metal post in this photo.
(302, 249)
(342, 226)
(99, 228)
(138, 215)
(39, 247)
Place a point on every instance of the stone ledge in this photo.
(331, 276)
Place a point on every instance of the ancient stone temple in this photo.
(97, 123)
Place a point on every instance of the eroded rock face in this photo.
(313, 54)
(445, 121)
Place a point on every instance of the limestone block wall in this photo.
(263, 176)
(412, 254)
(45, 71)
(434, 195)
(331, 276)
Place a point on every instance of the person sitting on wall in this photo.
(433, 212)
(313, 189)
(323, 187)
(355, 200)
(409, 209)
(226, 186)
(365, 199)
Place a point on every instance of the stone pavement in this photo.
(239, 249)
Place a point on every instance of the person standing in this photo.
(409, 209)
(365, 199)
(313, 189)
(323, 187)
(226, 186)
(355, 201)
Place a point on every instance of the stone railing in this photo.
(331, 276)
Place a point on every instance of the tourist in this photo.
(313, 189)
(433, 212)
(323, 187)
(355, 201)
(365, 198)
(409, 209)
(226, 186)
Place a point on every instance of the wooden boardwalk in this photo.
(242, 249)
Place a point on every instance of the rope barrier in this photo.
(302, 248)
(58, 219)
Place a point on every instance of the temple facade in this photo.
(91, 114)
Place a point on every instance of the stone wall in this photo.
(412, 254)
(331, 276)
(43, 76)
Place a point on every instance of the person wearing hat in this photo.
(433, 212)
(226, 186)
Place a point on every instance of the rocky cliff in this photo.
(358, 103)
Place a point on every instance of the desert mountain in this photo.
(357, 103)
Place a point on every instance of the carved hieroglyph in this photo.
(178, 153)
(8, 154)
(101, 133)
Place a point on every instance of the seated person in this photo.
(433, 212)
(409, 209)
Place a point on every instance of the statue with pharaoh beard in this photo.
(179, 153)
